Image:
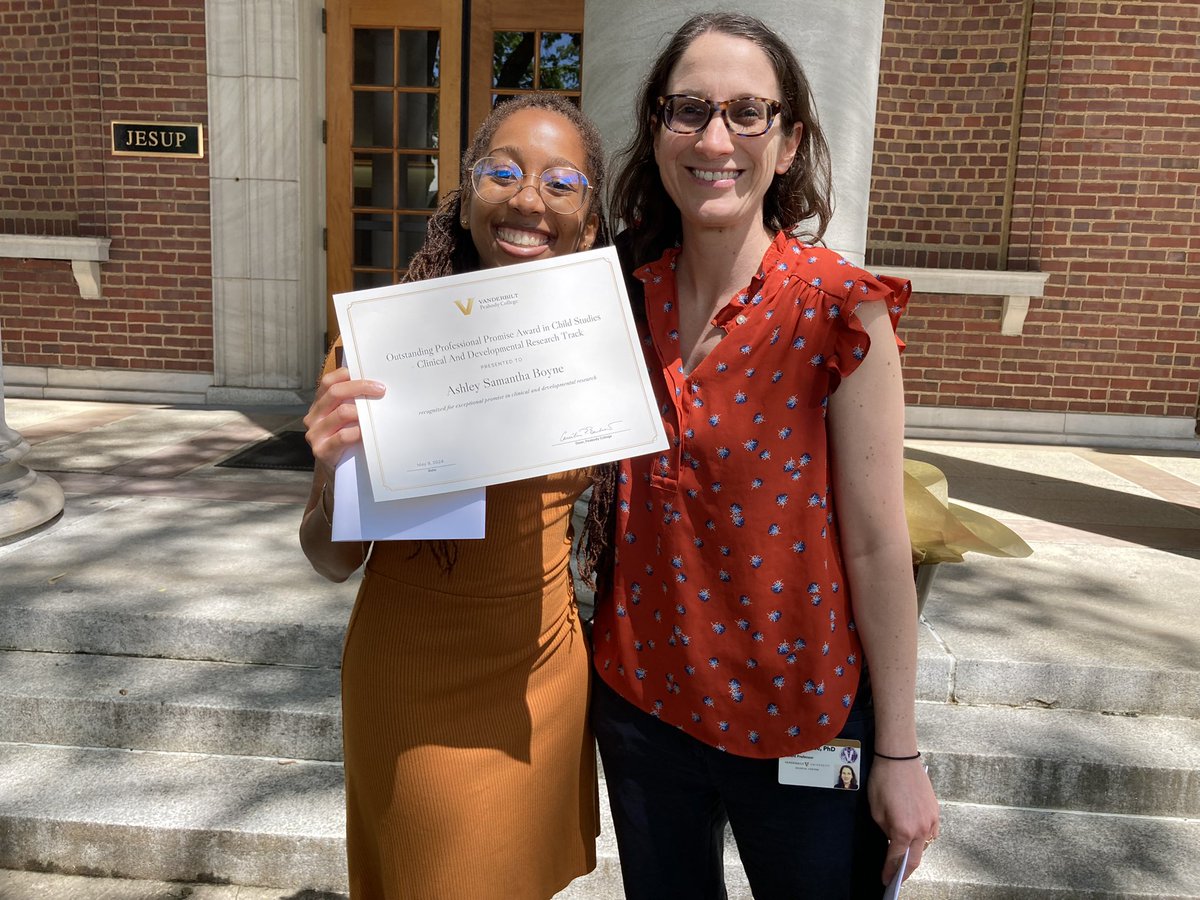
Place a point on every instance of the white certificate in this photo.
(499, 375)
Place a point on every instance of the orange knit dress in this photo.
(470, 769)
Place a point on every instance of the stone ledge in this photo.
(1052, 428)
(117, 385)
(84, 253)
(1015, 287)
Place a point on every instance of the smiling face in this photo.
(718, 180)
(847, 776)
(522, 228)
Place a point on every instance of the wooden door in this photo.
(393, 87)
(524, 46)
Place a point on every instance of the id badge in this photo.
(834, 765)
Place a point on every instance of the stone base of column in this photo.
(28, 501)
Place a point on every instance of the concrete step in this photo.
(252, 821)
(1056, 759)
(138, 576)
(1002, 853)
(148, 576)
(172, 816)
(20, 885)
(128, 702)
(1078, 630)
(1063, 759)
(203, 818)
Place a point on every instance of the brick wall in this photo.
(1100, 191)
(72, 67)
(37, 189)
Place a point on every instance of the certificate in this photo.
(499, 375)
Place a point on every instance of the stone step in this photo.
(87, 700)
(206, 818)
(138, 576)
(1005, 853)
(301, 622)
(1107, 628)
(172, 816)
(1063, 759)
(252, 821)
(1057, 759)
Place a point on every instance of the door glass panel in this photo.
(373, 240)
(411, 234)
(558, 61)
(373, 180)
(513, 59)
(397, 73)
(418, 183)
(418, 114)
(372, 119)
(420, 58)
(536, 60)
(373, 57)
(364, 280)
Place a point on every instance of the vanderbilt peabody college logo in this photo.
(465, 306)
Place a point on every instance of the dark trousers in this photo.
(671, 796)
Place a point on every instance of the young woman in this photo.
(761, 603)
(470, 769)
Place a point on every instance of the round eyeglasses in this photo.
(744, 116)
(562, 188)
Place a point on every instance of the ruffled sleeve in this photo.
(851, 342)
(826, 290)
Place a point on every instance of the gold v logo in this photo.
(465, 308)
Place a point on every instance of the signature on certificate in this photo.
(591, 431)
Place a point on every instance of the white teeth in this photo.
(708, 175)
(522, 238)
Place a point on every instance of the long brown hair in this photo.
(800, 196)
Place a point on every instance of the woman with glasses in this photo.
(470, 768)
(761, 604)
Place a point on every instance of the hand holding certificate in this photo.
(499, 375)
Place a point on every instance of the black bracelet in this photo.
(916, 755)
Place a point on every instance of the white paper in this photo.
(892, 892)
(357, 517)
(499, 375)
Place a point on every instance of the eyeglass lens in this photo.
(746, 115)
(562, 189)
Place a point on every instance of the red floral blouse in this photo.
(729, 614)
